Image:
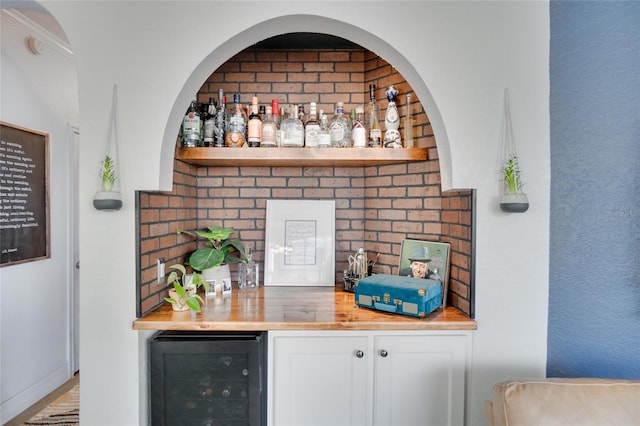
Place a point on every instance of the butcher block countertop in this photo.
(295, 308)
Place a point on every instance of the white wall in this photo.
(459, 58)
(39, 93)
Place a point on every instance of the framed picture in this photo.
(300, 243)
(24, 195)
(426, 259)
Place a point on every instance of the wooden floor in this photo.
(40, 405)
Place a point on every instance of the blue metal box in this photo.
(402, 295)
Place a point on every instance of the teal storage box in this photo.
(402, 295)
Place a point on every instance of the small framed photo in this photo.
(300, 243)
(426, 259)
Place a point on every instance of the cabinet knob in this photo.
(359, 354)
(384, 353)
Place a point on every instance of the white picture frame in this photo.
(300, 243)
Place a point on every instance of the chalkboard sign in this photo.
(24, 195)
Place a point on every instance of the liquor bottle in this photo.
(275, 111)
(374, 133)
(237, 125)
(312, 128)
(292, 130)
(191, 127)
(220, 120)
(392, 121)
(339, 128)
(301, 115)
(254, 125)
(269, 130)
(359, 133)
(324, 138)
(408, 125)
(209, 123)
(282, 115)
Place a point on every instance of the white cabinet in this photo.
(367, 377)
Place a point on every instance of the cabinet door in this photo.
(419, 380)
(320, 380)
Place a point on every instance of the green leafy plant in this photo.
(108, 173)
(220, 248)
(511, 175)
(186, 295)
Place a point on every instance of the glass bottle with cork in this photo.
(392, 121)
(236, 128)
(408, 125)
(220, 120)
(254, 125)
(372, 121)
(339, 128)
(312, 128)
(269, 130)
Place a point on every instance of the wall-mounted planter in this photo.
(107, 200)
(108, 195)
(513, 200)
(514, 203)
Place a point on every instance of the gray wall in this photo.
(594, 285)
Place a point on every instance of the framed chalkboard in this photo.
(24, 195)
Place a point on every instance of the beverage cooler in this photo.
(205, 378)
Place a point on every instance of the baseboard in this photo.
(34, 393)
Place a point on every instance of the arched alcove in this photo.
(293, 24)
(378, 207)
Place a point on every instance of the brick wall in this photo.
(376, 207)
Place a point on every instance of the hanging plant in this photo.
(511, 175)
(108, 195)
(108, 173)
(512, 200)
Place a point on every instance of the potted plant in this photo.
(513, 200)
(184, 296)
(107, 198)
(213, 260)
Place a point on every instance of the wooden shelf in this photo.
(300, 157)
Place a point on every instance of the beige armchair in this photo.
(564, 402)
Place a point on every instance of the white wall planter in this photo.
(514, 203)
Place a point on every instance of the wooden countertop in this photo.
(295, 308)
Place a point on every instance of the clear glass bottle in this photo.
(361, 263)
(248, 274)
(372, 120)
(209, 123)
(358, 132)
(339, 128)
(220, 120)
(324, 137)
(269, 130)
(254, 125)
(191, 126)
(408, 125)
(312, 128)
(282, 115)
(237, 125)
(392, 121)
(292, 130)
